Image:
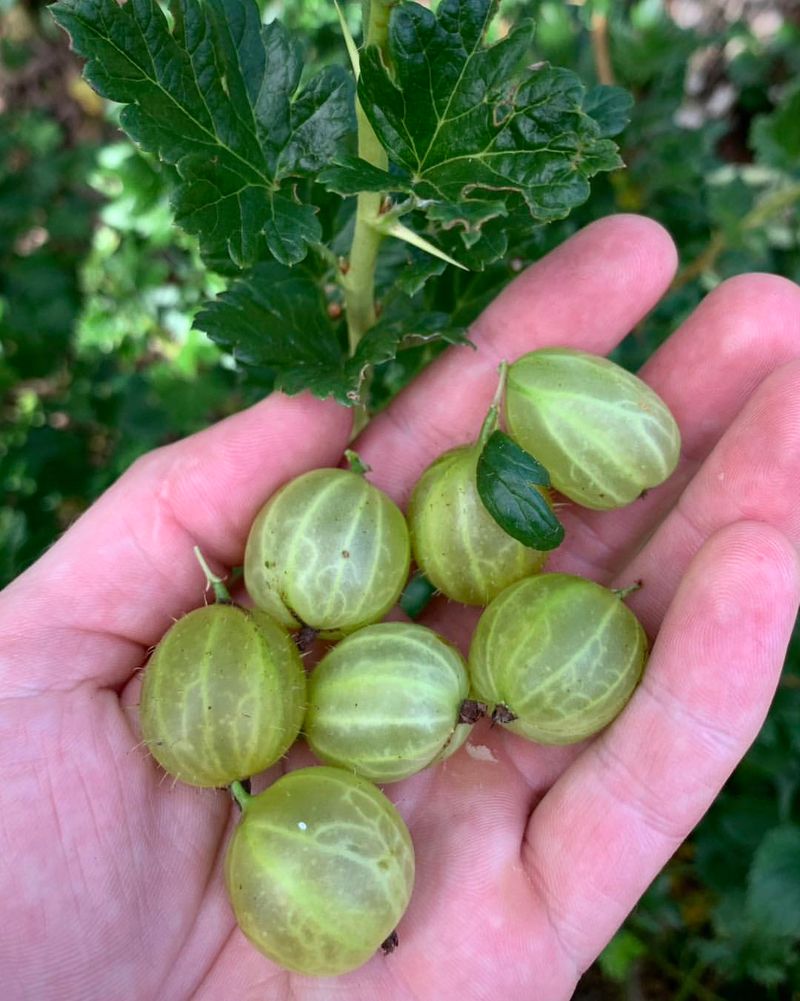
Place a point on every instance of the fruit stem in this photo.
(623, 592)
(221, 593)
(355, 463)
(493, 416)
(241, 795)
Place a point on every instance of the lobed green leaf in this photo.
(219, 95)
(469, 122)
(276, 318)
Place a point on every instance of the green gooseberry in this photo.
(319, 871)
(455, 541)
(602, 433)
(223, 695)
(556, 657)
(328, 550)
(386, 701)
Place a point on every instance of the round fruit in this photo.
(456, 543)
(328, 550)
(385, 702)
(603, 434)
(319, 871)
(223, 696)
(557, 657)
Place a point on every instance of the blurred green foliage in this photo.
(99, 363)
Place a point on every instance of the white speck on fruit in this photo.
(302, 825)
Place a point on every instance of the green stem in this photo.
(761, 213)
(241, 795)
(221, 593)
(493, 416)
(355, 463)
(359, 280)
(771, 205)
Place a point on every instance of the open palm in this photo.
(528, 858)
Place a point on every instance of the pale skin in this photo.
(528, 858)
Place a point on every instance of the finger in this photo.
(617, 814)
(126, 569)
(588, 293)
(751, 474)
(746, 328)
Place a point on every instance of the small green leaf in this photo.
(610, 107)
(291, 228)
(775, 137)
(507, 480)
(351, 175)
(468, 216)
(408, 325)
(773, 891)
(417, 596)
(414, 275)
(276, 319)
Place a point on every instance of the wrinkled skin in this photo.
(529, 858)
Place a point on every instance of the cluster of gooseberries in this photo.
(321, 866)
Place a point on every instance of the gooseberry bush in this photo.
(329, 202)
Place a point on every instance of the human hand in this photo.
(528, 858)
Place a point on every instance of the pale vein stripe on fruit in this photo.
(342, 565)
(380, 884)
(565, 666)
(302, 569)
(250, 694)
(214, 625)
(474, 562)
(662, 429)
(292, 887)
(431, 655)
(373, 586)
(329, 689)
(342, 666)
(534, 623)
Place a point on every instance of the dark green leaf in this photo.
(507, 480)
(620, 955)
(351, 175)
(417, 596)
(276, 319)
(220, 97)
(469, 217)
(776, 137)
(467, 121)
(290, 229)
(610, 107)
(413, 276)
(406, 324)
(773, 892)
